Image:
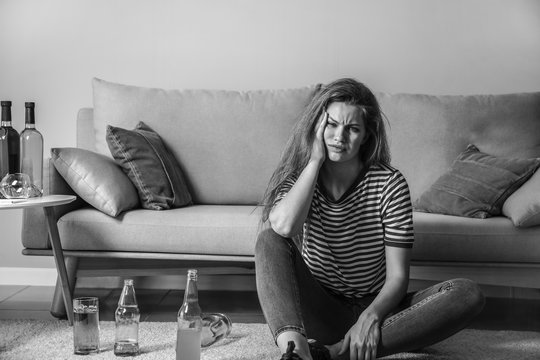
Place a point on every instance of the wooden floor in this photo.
(33, 302)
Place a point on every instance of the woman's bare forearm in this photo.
(288, 216)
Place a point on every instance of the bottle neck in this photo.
(191, 295)
(6, 116)
(128, 298)
(30, 118)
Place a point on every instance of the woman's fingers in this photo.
(322, 124)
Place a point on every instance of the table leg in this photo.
(59, 260)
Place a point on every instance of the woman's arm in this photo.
(363, 337)
(288, 215)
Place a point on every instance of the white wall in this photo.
(50, 50)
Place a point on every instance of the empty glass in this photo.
(18, 186)
(215, 328)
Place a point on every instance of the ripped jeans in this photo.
(292, 299)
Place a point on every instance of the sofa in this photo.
(225, 144)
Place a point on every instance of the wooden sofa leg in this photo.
(58, 310)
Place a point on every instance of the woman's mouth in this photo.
(337, 148)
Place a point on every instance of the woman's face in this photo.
(345, 132)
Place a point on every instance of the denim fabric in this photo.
(292, 299)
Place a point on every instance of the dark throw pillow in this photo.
(477, 185)
(150, 166)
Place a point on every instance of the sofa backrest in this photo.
(229, 142)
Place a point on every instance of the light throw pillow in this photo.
(151, 167)
(477, 185)
(523, 206)
(97, 179)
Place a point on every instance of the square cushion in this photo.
(477, 185)
(523, 206)
(151, 167)
(97, 179)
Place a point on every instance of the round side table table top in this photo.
(43, 201)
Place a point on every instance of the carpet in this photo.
(32, 339)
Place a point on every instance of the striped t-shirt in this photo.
(344, 240)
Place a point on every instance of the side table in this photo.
(48, 203)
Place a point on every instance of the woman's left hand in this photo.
(362, 338)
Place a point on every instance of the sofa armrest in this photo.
(34, 234)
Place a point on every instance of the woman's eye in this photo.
(354, 129)
(331, 124)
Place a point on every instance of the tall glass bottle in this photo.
(9, 139)
(188, 340)
(127, 318)
(32, 151)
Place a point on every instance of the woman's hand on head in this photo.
(362, 338)
(318, 149)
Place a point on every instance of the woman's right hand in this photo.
(318, 149)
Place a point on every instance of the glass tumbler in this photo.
(86, 325)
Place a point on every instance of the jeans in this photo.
(292, 299)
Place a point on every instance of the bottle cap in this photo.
(29, 104)
(6, 103)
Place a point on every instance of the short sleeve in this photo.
(396, 210)
(284, 188)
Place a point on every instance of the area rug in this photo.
(32, 339)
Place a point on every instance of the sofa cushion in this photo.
(523, 206)
(97, 179)
(459, 239)
(228, 142)
(151, 167)
(197, 229)
(477, 185)
(428, 132)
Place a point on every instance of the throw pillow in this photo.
(477, 185)
(97, 179)
(523, 206)
(151, 167)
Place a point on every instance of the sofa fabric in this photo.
(198, 229)
(150, 166)
(228, 142)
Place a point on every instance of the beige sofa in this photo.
(228, 143)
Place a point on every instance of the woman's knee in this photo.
(268, 241)
(469, 293)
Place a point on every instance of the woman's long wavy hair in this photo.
(297, 151)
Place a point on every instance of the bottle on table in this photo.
(127, 318)
(188, 340)
(31, 142)
(9, 143)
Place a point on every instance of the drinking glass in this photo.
(18, 186)
(86, 325)
(216, 327)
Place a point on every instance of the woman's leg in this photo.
(292, 300)
(430, 315)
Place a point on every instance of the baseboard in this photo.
(27, 276)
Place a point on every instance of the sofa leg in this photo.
(58, 310)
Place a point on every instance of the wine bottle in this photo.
(31, 142)
(10, 141)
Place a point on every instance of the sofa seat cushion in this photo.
(199, 229)
(453, 238)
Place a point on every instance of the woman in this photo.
(335, 191)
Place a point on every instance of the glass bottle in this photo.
(127, 318)
(188, 340)
(10, 141)
(32, 151)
